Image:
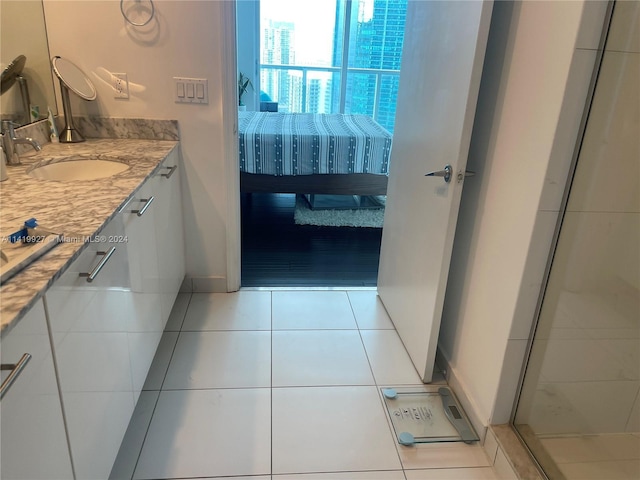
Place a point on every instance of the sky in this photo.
(314, 20)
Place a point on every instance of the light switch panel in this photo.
(191, 90)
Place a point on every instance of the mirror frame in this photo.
(66, 80)
(69, 133)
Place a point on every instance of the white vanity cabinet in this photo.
(106, 332)
(89, 319)
(34, 445)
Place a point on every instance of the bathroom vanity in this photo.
(94, 306)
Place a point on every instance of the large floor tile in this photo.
(319, 357)
(368, 309)
(386, 475)
(246, 310)
(388, 358)
(330, 429)
(443, 455)
(208, 433)
(220, 360)
(178, 312)
(480, 473)
(299, 310)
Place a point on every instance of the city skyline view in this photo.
(302, 56)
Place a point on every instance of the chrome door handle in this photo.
(446, 173)
(16, 370)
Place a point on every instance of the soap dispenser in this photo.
(3, 165)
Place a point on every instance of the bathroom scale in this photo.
(420, 416)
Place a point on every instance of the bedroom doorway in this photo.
(313, 240)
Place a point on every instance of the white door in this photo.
(441, 68)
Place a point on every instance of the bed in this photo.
(336, 154)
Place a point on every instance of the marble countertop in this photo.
(78, 209)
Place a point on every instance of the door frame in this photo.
(232, 162)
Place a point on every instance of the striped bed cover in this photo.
(307, 144)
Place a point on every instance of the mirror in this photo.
(23, 34)
(74, 79)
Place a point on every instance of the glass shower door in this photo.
(579, 409)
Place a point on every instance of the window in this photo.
(341, 56)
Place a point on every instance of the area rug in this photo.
(367, 217)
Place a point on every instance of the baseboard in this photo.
(187, 285)
(205, 284)
(454, 382)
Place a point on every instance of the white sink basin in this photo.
(78, 169)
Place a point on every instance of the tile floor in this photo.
(281, 385)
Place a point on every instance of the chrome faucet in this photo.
(9, 141)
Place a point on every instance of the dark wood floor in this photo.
(278, 253)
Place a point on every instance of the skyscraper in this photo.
(376, 41)
(278, 40)
(371, 41)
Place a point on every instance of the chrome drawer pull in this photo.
(144, 207)
(171, 170)
(94, 273)
(16, 370)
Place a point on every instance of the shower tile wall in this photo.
(549, 209)
(582, 386)
(590, 372)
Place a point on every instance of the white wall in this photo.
(532, 95)
(186, 39)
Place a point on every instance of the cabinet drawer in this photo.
(34, 444)
(113, 273)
